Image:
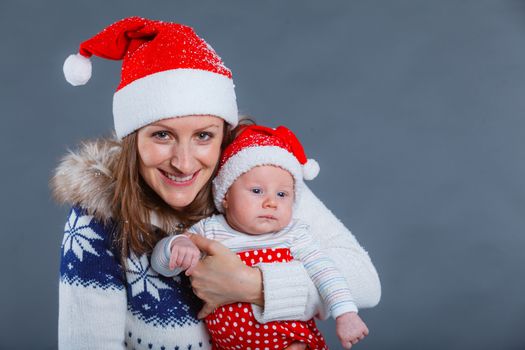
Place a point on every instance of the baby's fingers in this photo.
(187, 260)
(173, 258)
(346, 344)
(194, 261)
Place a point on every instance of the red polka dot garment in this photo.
(233, 326)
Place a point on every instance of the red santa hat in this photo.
(259, 145)
(167, 71)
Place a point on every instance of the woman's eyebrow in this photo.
(209, 126)
(164, 126)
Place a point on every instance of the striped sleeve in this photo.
(329, 281)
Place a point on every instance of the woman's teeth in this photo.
(179, 178)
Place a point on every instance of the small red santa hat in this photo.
(167, 71)
(259, 145)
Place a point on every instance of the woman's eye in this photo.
(162, 135)
(204, 136)
(256, 190)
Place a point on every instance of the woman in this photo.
(174, 111)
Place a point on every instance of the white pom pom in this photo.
(310, 169)
(77, 69)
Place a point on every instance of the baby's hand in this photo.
(350, 329)
(184, 254)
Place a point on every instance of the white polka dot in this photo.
(235, 324)
(246, 254)
(265, 326)
(269, 257)
(241, 329)
(257, 334)
(264, 251)
(293, 324)
(245, 310)
(278, 255)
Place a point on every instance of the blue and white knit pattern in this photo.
(131, 308)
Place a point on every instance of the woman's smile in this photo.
(178, 180)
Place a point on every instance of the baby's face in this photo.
(260, 200)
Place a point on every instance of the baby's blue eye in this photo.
(256, 190)
(282, 194)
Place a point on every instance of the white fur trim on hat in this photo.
(77, 69)
(250, 157)
(173, 93)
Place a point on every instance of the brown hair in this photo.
(133, 200)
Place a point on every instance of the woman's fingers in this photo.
(205, 311)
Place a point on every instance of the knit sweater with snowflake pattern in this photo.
(105, 306)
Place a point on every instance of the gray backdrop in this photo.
(414, 110)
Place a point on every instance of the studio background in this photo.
(414, 110)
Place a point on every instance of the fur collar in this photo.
(84, 177)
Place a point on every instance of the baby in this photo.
(258, 184)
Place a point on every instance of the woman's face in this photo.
(178, 156)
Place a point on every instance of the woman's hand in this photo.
(222, 278)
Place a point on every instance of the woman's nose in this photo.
(182, 158)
